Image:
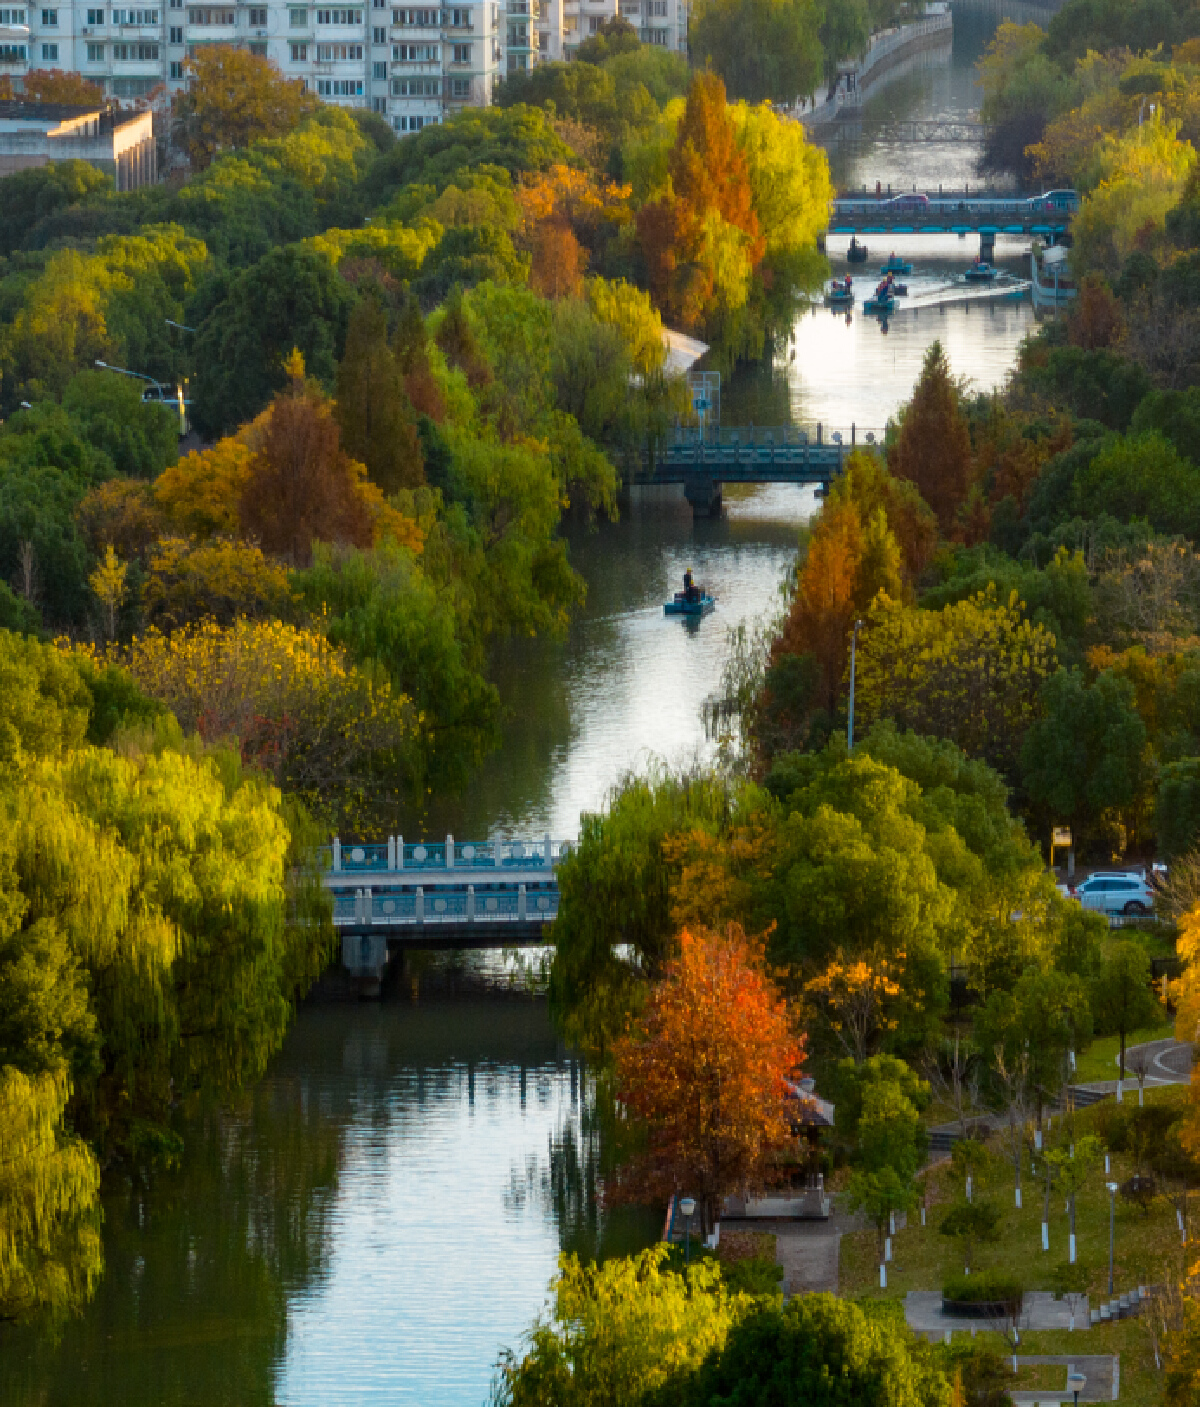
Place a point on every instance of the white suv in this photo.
(1115, 892)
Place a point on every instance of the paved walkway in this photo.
(1102, 1371)
(807, 1250)
(1168, 1062)
(923, 1312)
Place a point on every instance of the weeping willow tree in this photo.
(157, 924)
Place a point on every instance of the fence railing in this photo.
(414, 908)
(395, 855)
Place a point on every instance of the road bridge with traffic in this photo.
(924, 213)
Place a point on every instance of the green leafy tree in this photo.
(373, 410)
(41, 192)
(890, 1147)
(972, 1224)
(762, 49)
(292, 298)
(1083, 761)
(1046, 1015)
(1073, 1166)
(140, 437)
(819, 1350)
(1122, 995)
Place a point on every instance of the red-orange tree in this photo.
(703, 1073)
(933, 448)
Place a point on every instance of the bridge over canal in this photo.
(392, 895)
(703, 462)
(984, 214)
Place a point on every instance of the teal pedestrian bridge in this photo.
(1047, 216)
(444, 894)
(703, 461)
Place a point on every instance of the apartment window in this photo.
(656, 36)
(339, 17)
(135, 53)
(416, 53)
(299, 53)
(50, 53)
(379, 105)
(339, 87)
(413, 124)
(49, 18)
(378, 35)
(417, 19)
(462, 19)
(379, 70)
(135, 17)
(133, 87)
(416, 87)
(297, 19)
(175, 35)
(462, 53)
(95, 53)
(338, 53)
(258, 47)
(656, 9)
(94, 17)
(12, 53)
(18, 16)
(460, 87)
(175, 4)
(177, 70)
(258, 19)
(210, 17)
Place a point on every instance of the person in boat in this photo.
(691, 592)
(853, 244)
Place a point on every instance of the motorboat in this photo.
(981, 273)
(896, 265)
(841, 293)
(857, 253)
(877, 303)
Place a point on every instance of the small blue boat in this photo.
(840, 295)
(980, 273)
(896, 265)
(880, 305)
(681, 606)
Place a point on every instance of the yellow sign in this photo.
(1060, 835)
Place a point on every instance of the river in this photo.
(381, 1216)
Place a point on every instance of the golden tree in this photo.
(108, 587)
(704, 1072)
(234, 98)
(858, 996)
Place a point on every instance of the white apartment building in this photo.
(413, 65)
(565, 24)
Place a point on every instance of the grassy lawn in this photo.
(1147, 1251)
(1099, 1061)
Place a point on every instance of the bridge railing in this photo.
(414, 908)
(396, 855)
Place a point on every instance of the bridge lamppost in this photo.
(688, 1207)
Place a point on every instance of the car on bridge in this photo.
(1055, 200)
(902, 204)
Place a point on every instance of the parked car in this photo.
(1115, 892)
(906, 202)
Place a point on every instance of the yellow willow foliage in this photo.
(789, 178)
(218, 579)
(398, 248)
(633, 314)
(856, 993)
(298, 707)
(970, 672)
(50, 1252)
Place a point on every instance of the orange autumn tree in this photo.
(701, 237)
(564, 213)
(933, 448)
(703, 1073)
(301, 486)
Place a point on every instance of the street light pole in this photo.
(688, 1207)
(141, 376)
(1112, 1222)
(850, 715)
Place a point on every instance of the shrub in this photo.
(988, 1287)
